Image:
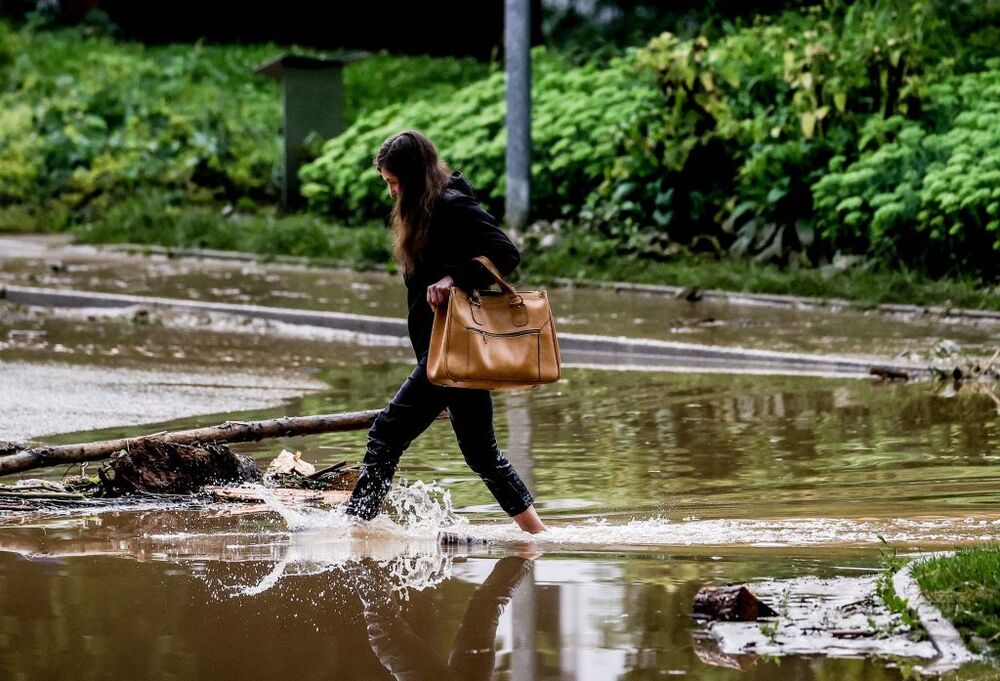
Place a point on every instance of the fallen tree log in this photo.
(230, 431)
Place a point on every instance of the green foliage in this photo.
(579, 116)
(750, 120)
(168, 219)
(84, 123)
(925, 195)
(867, 127)
(87, 122)
(886, 590)
(384, 79)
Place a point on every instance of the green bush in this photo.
(86, 122)
(384, 79)
(749, 121)
(925, 196)
(580, 116)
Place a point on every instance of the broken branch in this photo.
(230, 431)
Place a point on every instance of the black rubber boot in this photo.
(377, 469)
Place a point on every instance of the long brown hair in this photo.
(422, 174)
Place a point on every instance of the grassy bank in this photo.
(587, 258)
(157, 220)
(966, 588)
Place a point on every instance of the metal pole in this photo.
(517, 61)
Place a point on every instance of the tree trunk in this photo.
(230, 431)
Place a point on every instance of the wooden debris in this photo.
(292, 471)
(450, 538)
(230, 431)
(7, 448)
(170, 468)
(730, 604)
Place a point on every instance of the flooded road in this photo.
(476, 617)
(653, 484)
(578, 310)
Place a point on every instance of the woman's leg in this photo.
(529, 521)
(471, 413)
(409, 413)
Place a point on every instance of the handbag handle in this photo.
(491, 268)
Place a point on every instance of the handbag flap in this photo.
(494, 312)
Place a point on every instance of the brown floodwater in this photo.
(653, 484)
(578, 310)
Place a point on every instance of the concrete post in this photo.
(517, 61)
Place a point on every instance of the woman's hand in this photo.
(437, 293)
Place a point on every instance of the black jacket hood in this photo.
(460, 184)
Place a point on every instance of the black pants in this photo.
(409, 413)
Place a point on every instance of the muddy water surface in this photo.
(653, 484)
(409, 614)
(582, 310)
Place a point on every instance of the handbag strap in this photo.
(491, 268)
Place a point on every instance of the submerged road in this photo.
(48, 398)
(595, 351)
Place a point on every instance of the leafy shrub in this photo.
(579, 116)
(925, 196)
(84, 123)
(383, 79)
(106, 118)
(749, 121)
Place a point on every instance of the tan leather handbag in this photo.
(493, 340)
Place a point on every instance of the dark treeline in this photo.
(435, 27)
(432, 27)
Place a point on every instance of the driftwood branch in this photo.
(230, 431)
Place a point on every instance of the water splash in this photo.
(417, 510)
(402, 543)
(423, 509)
(778, 532)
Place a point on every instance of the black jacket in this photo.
(460, 230)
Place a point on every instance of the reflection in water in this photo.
(372, 604)
(408, 656)
(631, 467)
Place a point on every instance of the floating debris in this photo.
(838, 617)
(151, 466)
(730, 604)
(287, 462)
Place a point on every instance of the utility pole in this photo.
(517, 62)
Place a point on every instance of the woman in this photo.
(438, 228)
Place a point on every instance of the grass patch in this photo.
(158, 219)
(966, 588)
(886, 590)
(594, 259)
(172, 220)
